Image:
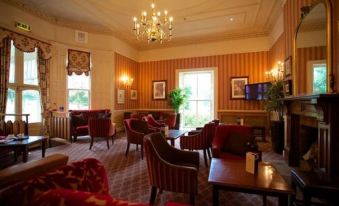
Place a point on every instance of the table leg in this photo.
(43, 147)
(264, 200)
(215, 196)
(25, 153)
(283, 200)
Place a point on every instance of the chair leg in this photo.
(90, 147)
(153, 195)
(113, 139)
(107, 140)
(205, 158)
(192, 198)
(209, 153)
(127, 149)
(142, 151)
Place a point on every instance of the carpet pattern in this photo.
(128, 176)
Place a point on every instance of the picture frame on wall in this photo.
(121, 96)
(159, 89)
(287, 87)
(238, 87)
(288, 67)
(134, 94)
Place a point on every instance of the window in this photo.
(200, 109)
(78, 92)
(23, 90)
(317, 76)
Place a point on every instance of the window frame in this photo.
(88, 90)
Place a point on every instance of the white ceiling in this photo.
(195, 21)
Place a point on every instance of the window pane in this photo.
(190, 80)
(12, 64)
(31, 105)
(319, 78)
(204, 86)
(10, 107)
(78, 99)
(30, 68)
(189, 115)
(205, 112)
(78, 82)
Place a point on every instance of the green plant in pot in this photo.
(275, 106)
(178, 98)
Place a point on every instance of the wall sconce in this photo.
(276, 73)
(126, 80)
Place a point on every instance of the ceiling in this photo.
(195, 21)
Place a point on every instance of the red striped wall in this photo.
(252, 65)
(277, 51)
(129, 67)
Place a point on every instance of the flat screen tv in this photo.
(257, 91)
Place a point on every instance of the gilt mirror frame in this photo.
(329, 49)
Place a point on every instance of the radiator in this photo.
(60, 125)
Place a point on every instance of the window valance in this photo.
(78, 62)
(25, 43)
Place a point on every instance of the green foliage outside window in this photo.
(79, 98)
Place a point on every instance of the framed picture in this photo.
(159, 89)
(288, 87)
(134, 94)
(121, 96)
(238, 87)
(288, 67)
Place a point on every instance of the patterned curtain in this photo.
(5, 54)
(43, 70)
(78, 62)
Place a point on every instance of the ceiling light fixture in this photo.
(154, 27)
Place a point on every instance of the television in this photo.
(257, 91)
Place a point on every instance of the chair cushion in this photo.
(82, 130)
(237, 144)
(78, 120)
(139, 126)
(102, 115)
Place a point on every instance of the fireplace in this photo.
(309, 120)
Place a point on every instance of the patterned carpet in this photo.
(128, 175)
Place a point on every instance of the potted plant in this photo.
(275, 106)
(178, 98)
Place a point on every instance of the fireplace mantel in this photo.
(313, 111)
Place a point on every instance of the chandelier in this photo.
(154, 27)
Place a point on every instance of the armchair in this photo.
(232, 142)
(101, 128)
(136, 130)
(169, 168)
(199, 140)
(152, 122)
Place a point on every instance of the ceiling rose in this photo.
(156, 26)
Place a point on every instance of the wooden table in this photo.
(24, 144)
(231, 175)
(174, 134)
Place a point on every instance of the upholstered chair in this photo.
(136, 130)
(233, 141)
(101, 128)
(169, 168)
(152, 122)
(199, 140)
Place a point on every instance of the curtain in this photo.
(5, 54)
(78, 62)
(43, 71)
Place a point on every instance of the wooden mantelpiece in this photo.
(315, 112)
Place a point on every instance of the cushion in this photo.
(78, 120)
(238, 144)
(105, 115)
(139, 126)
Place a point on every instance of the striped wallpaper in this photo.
(277, 51)
(129, 67)
(252, 65)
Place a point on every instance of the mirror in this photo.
(312, 51)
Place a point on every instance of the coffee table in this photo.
(24, 144)
(174, 134)
(231, 176)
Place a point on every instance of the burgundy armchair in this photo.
(136, 130)
(169, 168)
(152, 122)
(199, 140)
(101, 128)
(232, 142)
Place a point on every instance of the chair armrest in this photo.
(192, 141)
(217, 144)
(184, 157)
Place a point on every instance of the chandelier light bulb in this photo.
(152, 5)
(159, 13)
(144, 13)
(135, 19)
(165, 12)
(171, 18)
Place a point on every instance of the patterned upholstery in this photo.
(169, 168)
(101, 128)
(88, 175)
(199, 140)
(136, 130)
(222, 133)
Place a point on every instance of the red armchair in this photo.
(232, 142)
(152, 122)
(77, 182)
(169, 168)
(199, 140)
(136, 130)
(101, 128)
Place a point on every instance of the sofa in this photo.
(79, 120)
(79, 183)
